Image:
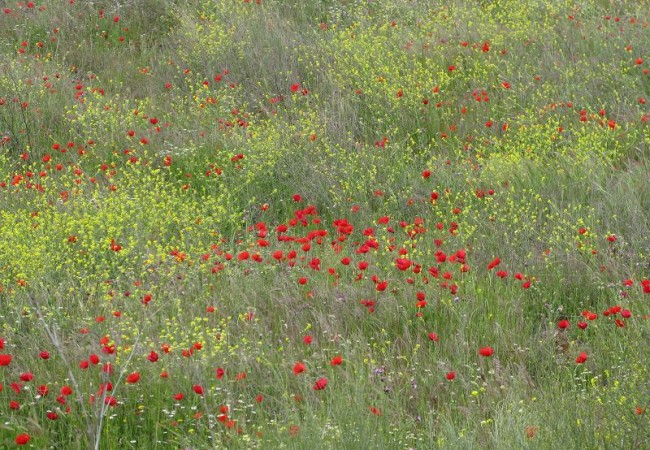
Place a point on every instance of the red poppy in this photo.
(22, 439)
(320, 384)
(495, 262)
(582, 357)
(133, 378)
(563, 324)
(433, 337)
(5, 360)
(27, 376)
(336, 361)
(450, 375)
(198, 389)
(486, 351)
(402, 264)
(299, 368)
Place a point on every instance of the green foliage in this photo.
(191, 191)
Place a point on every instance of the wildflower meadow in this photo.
(324, 224)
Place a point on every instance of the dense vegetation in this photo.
(326, 224)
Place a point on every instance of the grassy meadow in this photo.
(334, 224)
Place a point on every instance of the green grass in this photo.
(208, 193)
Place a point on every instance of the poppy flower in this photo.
(22, 439)
(5, 360)
(198, 389)
(433, 337)
(486, 351)
(495, 262)
(336, 361)
(402, 264)
(27, 376)
(299, 368)
(450, 375)
(563, 324)
(320, 384)
(133, 378)
(582, 357)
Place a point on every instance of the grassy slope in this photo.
(154, 152)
